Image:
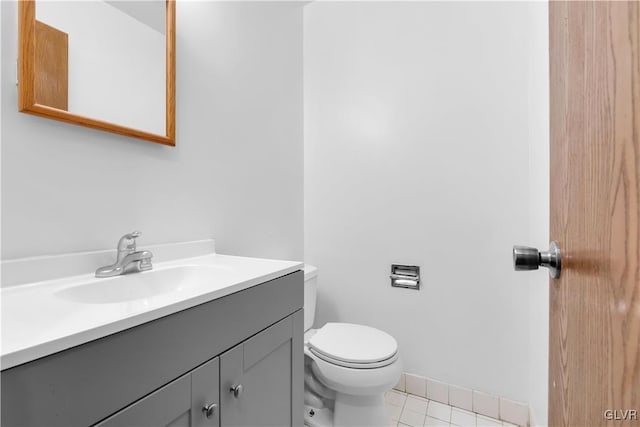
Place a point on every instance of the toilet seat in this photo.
(355, 382)
(353, 346)
(353, 365)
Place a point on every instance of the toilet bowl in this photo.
(348, 367)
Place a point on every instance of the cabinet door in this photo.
(259, 378)
(169, 406)
(205, 388)
(178, 404)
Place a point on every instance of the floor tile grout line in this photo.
(451, 408)
(497, 420)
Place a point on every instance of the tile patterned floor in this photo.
(409, 410)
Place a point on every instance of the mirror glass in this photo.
(103, 60)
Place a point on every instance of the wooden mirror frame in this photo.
(26, 79)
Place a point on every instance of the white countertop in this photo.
(40, 319)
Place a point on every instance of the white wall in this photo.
(538, 30)
(235, 175)
(117, 64)
(417, 152)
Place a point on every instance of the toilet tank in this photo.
(310, 290)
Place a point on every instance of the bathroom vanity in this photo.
(226, 354)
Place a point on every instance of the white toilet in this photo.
(348, 368)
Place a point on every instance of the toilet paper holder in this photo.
(405, 276)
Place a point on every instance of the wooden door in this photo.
(594, 362)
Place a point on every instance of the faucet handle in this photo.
(128, 241)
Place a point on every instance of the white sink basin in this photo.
(40, 318)
(137, 286)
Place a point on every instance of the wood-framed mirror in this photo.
(107, 65)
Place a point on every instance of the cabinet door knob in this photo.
(209, 409)
(236, 390)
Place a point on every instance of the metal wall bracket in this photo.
(405, 276)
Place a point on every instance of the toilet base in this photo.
(314, 417)
(350, 411)
(339, 396)
(353, 410)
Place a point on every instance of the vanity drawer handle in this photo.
(209, 410)
(236, 390)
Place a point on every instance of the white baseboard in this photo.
(476, 401)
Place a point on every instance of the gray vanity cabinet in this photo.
(256, 379)
(168, 407)
(250, 384)
(162, 373)
(178, 404)
(205, 393)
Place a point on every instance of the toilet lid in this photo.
(354, 344)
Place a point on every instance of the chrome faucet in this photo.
(128, 260)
